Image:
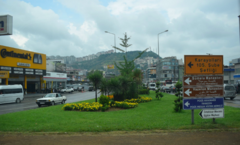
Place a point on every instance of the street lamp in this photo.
(158, 40)
(114, 46)
(158, 47)
(114, 39)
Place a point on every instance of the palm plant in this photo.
(95, 77)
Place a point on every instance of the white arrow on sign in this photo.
(188, 81)
(212, 113)
(188, 92)
(187, 104)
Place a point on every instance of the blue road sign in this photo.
(203, 103)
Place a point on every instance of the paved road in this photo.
(30, 101)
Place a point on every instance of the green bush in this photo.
(144, 91)
(104, 100)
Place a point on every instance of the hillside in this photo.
(107, 59)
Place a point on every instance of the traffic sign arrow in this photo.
(212, 113)
(187, 104)
(188, 92)
(201, 114)
(188, 81)
(190, 64)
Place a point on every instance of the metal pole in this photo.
(214, 121)
(192, 116)
(158, 45)
(239, 27)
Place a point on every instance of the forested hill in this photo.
(107, 59)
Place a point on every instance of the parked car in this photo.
(229, 91)
(51, 99)
(165, 89)
(173, 89)
(90, 88)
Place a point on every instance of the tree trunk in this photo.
(95, 93)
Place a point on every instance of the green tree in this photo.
(95, 77)
(129, 78)
(178, 100)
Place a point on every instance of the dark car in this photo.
(172, 89)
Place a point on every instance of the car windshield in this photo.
(229, 88)
(152, 85)
(50, 95)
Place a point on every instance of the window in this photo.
(11, 91)
(37, 58)
(226, 73)
(229, 88)
(165, 75)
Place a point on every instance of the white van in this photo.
(11, 93)
(152, 86)
(229, 91)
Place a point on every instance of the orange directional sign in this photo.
(203, 64)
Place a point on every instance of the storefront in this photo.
(54, 81)
(25, 67)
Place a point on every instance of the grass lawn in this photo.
(156, 114)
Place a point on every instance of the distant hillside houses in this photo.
(72, 59)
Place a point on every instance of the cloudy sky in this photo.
(77, 27)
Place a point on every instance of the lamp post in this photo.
(158, 39)
(114, 45)
(114, 38)
(158, 48)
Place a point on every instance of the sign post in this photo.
(203, 84)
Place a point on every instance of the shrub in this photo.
(95, 106)
(144, 91)
(125, 105)
(178, 101)
(139, 100)
(110, 97)
(104, 99)
(159, 95)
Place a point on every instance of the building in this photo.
(56, 76)
(23, 67)
(168, 69)
(151, 74)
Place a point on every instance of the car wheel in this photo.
(53, 103)
(39, 105)
(232, 98)
(63, 102)
(18, 101)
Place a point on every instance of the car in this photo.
(51, 99)
(90, 88)
(229, 91)
(172, 89)
(165, 89)
(67, 90)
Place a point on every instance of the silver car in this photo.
(229, 91)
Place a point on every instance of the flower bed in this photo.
(95, 106)
(125, 105)
(139, 100)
